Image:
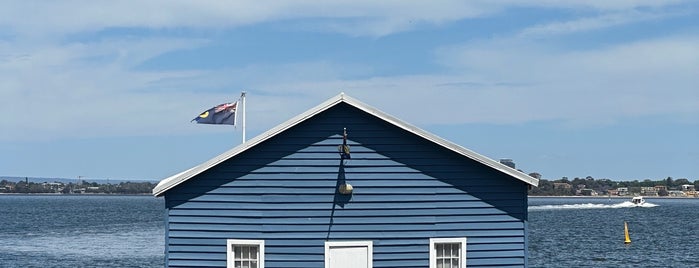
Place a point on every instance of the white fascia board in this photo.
(172, 181)
(444, 143)
(176, 179)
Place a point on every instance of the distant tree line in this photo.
(83, 187)
(577, 186)
(560, 187)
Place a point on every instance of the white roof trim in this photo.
(172, 181)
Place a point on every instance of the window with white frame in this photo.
(448, 252)
(245, 253)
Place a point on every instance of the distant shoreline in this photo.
(86, 194)
(604, 196)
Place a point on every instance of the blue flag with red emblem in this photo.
(223, 114)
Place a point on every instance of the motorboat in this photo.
(638, 201)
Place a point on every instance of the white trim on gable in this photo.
(170, 182)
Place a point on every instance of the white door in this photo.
(348, 254)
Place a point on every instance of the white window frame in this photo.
(368, 244)
(451, 240)
(230, 257)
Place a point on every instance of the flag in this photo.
(221, 114)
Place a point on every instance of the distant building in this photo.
(660, 188)
(689, 190)
(622, 191)
(588, 192)
(649, 191)
(676, 193)
(562, 185)
(93, 189)
(54, 186)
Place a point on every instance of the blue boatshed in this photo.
(345, 185)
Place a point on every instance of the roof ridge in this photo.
(174, 180)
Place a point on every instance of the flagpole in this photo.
(242, 96)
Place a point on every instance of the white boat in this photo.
(638, 201)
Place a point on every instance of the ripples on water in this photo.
(588, 232)
(127, 231)
(626, 204)
(81, 231)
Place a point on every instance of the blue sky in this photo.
(608, 89)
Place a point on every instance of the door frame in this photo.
(367, 244)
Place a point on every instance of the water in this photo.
(589, 232)
(81, 231)
(128, 231)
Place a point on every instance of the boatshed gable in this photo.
(382, 156)
(285, 193)
(361, 108)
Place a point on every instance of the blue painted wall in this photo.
(406, 190)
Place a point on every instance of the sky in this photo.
(107, 90)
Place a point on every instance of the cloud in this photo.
(603, 21)
(648, 77)
(57, 85)
(87, 88)
(516, 81)
(373, 17)
(362, 18)
(501, 81)
(595, 5)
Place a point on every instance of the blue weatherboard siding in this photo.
(406, 190)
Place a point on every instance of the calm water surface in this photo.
(127, 231)
(588, 232)
(81, 231)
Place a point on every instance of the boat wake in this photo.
(626, 204)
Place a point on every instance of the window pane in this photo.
(236, 250)
(246, 255)
(253, 253)
(243, 253)
(448, 255)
